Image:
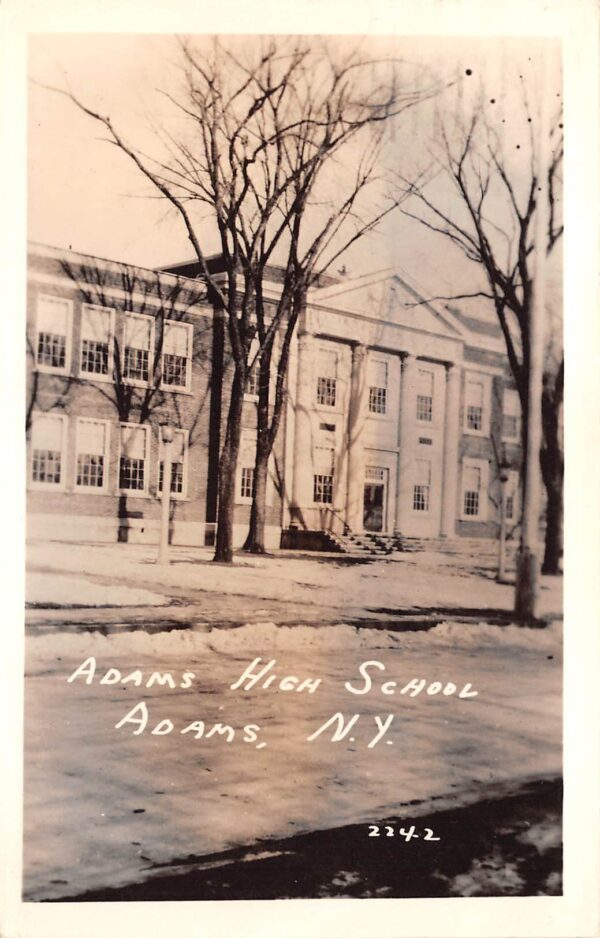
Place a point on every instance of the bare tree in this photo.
(489, 217)
(257, 126)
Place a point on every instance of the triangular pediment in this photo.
(387, 296)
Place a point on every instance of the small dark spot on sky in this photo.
(492, 100)
(518, 146)
(468, 71)
(561, 126)
(528, 120)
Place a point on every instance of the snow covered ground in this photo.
(103, 805)
(416, 580)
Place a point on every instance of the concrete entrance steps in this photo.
(367, 544)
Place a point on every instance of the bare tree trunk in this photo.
(227, 473)
(552, 465)
(255, 541)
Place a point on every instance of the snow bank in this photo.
(58, 590)
(266, 635)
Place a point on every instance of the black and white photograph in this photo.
(294, 415)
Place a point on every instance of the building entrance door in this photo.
(374, 499)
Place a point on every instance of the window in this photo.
(92, 454)
(247, 482)
(327, 378)
(253, 376)
(47, 450)
(511, 415)
(133, 458)
(136, 348)
(474, 406)
(512, 496)
(474, 489)
(96, 340)
(425, 395)
(53, 333)
(422, 485)
(179, 449)
(378, 382)
(324, 456)
(176, 355)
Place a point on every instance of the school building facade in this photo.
(398, 412)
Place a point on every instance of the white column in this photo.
(451, 437)
(406, 439)
(357, 414)
(302, 495)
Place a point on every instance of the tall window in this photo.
(253, 376)
(425, 395)
(474, 406)
(378, 382)
(47, 450)
(92, 454)
(133, 458)
(176, 355)
(511, 415)
(136, 347)
(327, 378)
(422, 486)
(512, 496)
(247, 481)
(96, 340)
(178, 463)
(52, 341)
(324, 456)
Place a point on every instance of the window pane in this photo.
(323, 489)
(53, 315)
(326, 392)
(137, 332)
(133, 442)
(174, 370)
(377, 373)
(377, 400)
(327, 363)
(51, 350)
(424, 407)
(175, 339)
(247, 482)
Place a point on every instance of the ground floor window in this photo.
(422, 486)
(133, 458)
(48, 435)
(179, 450)
(92, 454)
(474, 489)
(323, 489)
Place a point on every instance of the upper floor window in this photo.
(377, 372)
(327, 366)
(422, 486)
(97, 330)
(177, 355)
(52, 345)
(425, 395)
(137, 343)
(48, 438)
(179, 451)
(133, 458)
(511, 415)
(92, 447)
(253, 374)
(474, 405)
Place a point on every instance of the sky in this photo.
(85, 195)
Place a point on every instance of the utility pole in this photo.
(168, 436)
(527, 589)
